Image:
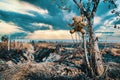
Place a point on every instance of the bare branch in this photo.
(76, 3)
(81, 7)
(95, 7)
(88, 5)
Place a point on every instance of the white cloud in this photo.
(43, 25)
(97, 20)
(108, 24)
(110, 31)
(6, 28)
(50, 34)
(68, 16)
(20, 7)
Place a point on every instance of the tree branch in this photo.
(95, 7)
(88, 5)
(81, 7)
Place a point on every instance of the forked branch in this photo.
(81, 7)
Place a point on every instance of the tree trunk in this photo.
(90, 72)
(96, 58)
(85, 50)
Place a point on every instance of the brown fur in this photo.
(78, 25)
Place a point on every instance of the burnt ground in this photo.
(51, 64)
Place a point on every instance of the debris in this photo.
(55, 66)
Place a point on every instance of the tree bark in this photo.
(96, 58)
(85, 50)
(90, 71)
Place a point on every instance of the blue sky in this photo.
(42, 19)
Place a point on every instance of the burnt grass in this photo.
(15, 66)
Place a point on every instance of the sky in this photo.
(42, 19)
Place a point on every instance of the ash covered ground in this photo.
(54, 61)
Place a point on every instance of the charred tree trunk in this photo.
(96, 58)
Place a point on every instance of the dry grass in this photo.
(40, 70)
(53, 70)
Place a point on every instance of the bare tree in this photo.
(88, 8)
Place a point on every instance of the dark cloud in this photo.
(20, 20)
(24, 21)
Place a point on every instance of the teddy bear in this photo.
(78, 25)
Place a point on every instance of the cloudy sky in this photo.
(42, 19)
